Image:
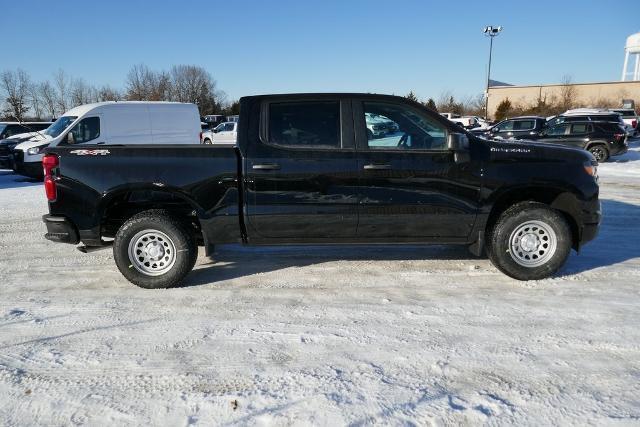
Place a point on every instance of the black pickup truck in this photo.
(306, 171)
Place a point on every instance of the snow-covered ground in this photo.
(321, 335)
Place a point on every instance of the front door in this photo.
(410, 186)
(300, 172)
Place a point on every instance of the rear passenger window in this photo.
(305, 124)
(579, 128)
(86, 130)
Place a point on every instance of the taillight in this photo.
(200, 136)
(49, 163)
(634, 124)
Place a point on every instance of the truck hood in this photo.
(534, 150)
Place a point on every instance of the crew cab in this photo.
(304, 171)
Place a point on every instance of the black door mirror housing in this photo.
(459, 144)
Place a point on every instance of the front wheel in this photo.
(154, 250)
(530, 241)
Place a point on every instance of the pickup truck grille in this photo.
(5, 150)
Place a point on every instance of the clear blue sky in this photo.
(392, 46)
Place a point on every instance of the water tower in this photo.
(632, 50)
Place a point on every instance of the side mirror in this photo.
(457, 142)
(70, 138)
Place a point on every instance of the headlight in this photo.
(36, 150)
(591, 169)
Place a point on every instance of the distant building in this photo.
(586, 94)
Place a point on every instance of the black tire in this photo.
(600, 153)
(544, 222)
(173, 233)
(207, 141)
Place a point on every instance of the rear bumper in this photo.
(60, 229)
(619, 148)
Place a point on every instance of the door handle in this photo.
(266, 167)
(377, 166)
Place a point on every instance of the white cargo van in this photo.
(108, 123)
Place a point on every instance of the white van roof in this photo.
(83, 109)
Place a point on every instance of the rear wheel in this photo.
(530, 241)
(600, 153)
(207, 141)
(154, 250)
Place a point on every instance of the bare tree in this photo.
(107, 93)
(48, 95)
(82, 93)
(568, 94)
(473, 105)
(143, 84)
(61, 82)
(15, 85)
(35, 99)
(191, 83)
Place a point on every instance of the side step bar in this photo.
(88, 249)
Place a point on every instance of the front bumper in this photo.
(591, 219)
(30, 169)
(60, 229)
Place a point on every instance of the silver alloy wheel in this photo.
(598, 153)
(532, 244)
(152, 252)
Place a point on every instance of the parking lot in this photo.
(323, 335)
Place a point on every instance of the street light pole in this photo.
(490, 32)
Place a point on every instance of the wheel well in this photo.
(127, 204)
(593, 144)
(557, 199)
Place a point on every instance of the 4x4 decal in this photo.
(90, 152)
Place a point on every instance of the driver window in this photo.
(86, 130)
(401, 127)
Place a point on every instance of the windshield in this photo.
(59, 126)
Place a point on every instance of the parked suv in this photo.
(591, 115)
(525, 127)
(602, 139)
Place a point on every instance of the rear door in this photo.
(579, 135)
(410, 187)
(300, 171)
